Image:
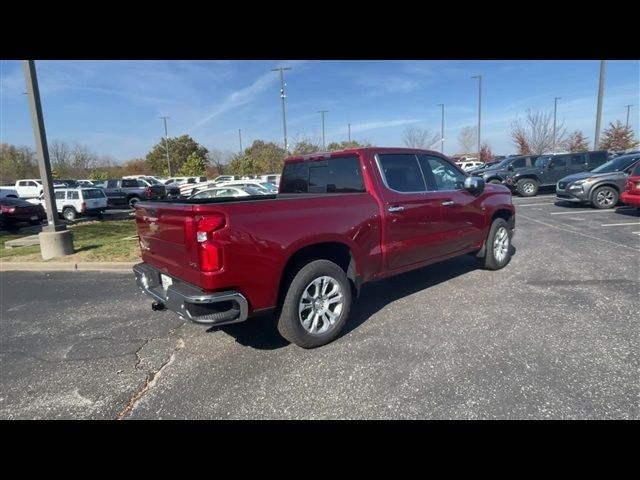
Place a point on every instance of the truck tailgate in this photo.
(167, 240)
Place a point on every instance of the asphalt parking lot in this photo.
(553, 335)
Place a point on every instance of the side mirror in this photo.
(474, 185)
(510, 168)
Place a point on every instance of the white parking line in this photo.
(590, 211)
(534, 204)
(619, 224)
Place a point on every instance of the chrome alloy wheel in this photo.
(501, 244)
(604, 197)
(321, 304)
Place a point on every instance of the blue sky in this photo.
(114, 106)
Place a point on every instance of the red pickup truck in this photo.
(340, 219)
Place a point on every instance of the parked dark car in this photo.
(129, 191)
(602, 186)
(549, 169)
(497, 173)
(16, 210)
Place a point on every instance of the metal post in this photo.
(479, 77)
(555, 109)
(42, 149)
(240, 138)
(442, 129)
(599, 112)
(628, 108)
(283, 96)
(323, 112)
(166, 144)
(349, 125)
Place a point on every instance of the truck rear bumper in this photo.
(189, 301)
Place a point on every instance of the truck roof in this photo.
(358, 150)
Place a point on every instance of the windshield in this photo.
(615, 165)
(543, 161)
(269, 186)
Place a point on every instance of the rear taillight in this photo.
(4, 209)
(209, 252)
(83, 206)
(149, 192)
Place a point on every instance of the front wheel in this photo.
(498, 246)
(604, 197)
(316, 305)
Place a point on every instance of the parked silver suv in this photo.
(601, 187)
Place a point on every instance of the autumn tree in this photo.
(194, 166)
(414, 137)
(179, 150)
(576, 142)
(305, 145)
(260, 158)
(534, 134)
(16, 163)
(467, 139)
(136, 166)
(486, 155)
(618, 137)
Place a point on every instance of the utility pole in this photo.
(283, 96)
(166, 144)
(240, 138)
(479, 77)
(55, 239)
(442, 129)
(349, 126)
(599, 113)
(323, 112)
(628, 107)
(555, 109)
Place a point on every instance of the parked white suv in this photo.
(74, 202)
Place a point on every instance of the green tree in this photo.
(17, 162)
(305, 145)
(136, 166)
(179, 150)
(334, 146)
(260, 158)
(194, 166)
(576, 142)
(618, 137)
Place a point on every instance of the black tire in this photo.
(132, 202)
(489, 261)
(604, 197)
(69, 214)
(528, 187)
(495, 181)
(290, 320)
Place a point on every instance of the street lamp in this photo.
(323, 112)
(555, 109)
(628, 107)
(599, 112)
(166, 144)
(442, 129)
(349, 127)
(479, 77)
(283, 96)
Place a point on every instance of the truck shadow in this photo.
(261, 332)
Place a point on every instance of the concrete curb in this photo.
(67, 266)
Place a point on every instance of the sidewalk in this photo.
(66, 266)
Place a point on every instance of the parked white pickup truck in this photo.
(29, 188)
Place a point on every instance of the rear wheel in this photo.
(604, 197)
(527, 187)
(316, 305)
(69, 214)
(498, 246)
(132, 202)
(495, 181)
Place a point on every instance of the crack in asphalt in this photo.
(152, 377)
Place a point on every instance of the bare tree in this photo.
(467, 139)
(414, 137)
(218, 160)
(576, 142)
(60, 154)
(534, 134)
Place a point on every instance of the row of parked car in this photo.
(591, 178)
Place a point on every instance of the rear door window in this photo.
(334, 175)
(72, 195)
(129, 183)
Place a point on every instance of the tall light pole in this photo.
(442, 129)
(166, 144)
(323, 112)
(55, 239)
(628, 107)
(599, 113)
(479, 77)
(240, 138)
(555, 110)
(349, 126)
(283, 96)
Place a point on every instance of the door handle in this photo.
(396, 209)
(447, 203)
